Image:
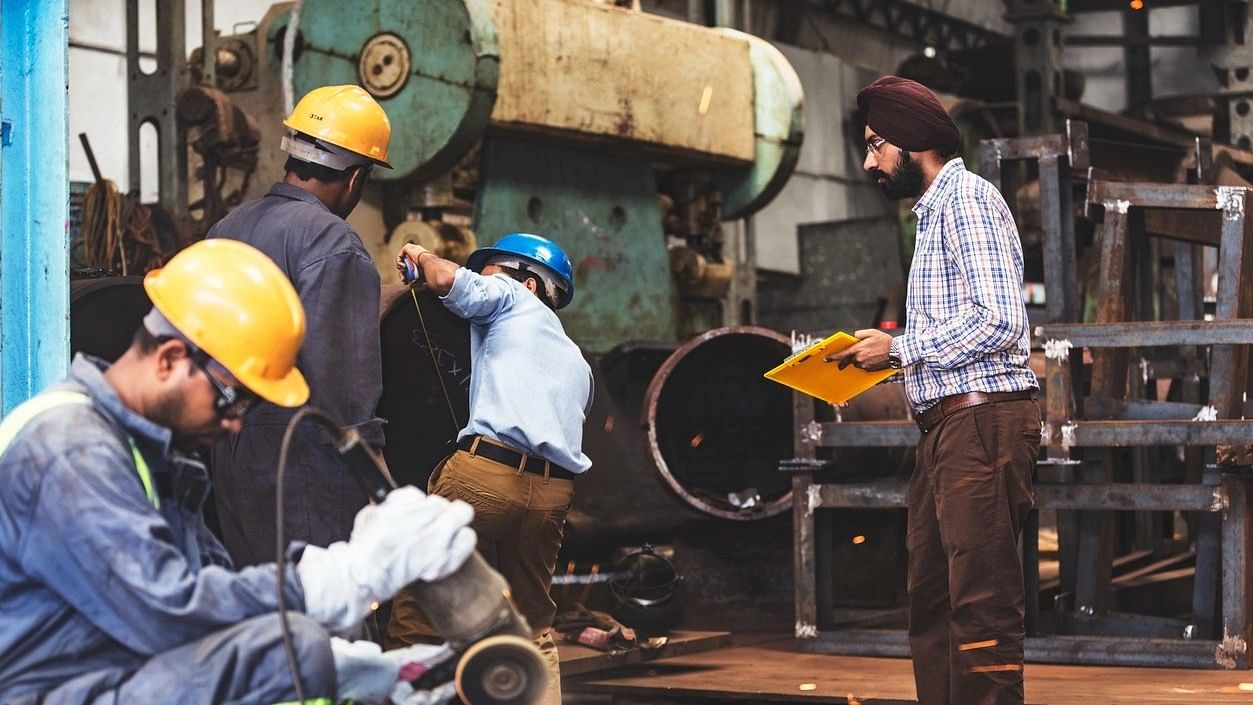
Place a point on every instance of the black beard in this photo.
(904, 182)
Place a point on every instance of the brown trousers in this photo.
(520, 519)
(968, 498)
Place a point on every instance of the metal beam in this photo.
(1073, 145)
(1119, 40)
(1236, 575)
(1039, 26)
(1076, 434)
(34, 198)
(1104, 409)
(1139, 81)
(1193, 227)
(1177, 137)
(1087, 650)
(1144, 194)
(1141, 497)
(869, 434)
(1080, 6)
(1148, 334)
(915, 23)
(1058, 156)
(1110, 434)
(151, 97)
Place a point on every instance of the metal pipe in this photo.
(104, 315)
(717, 429)
(417, 351)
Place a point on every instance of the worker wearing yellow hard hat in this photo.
(337, 135)
(345, 117)
(200, 293)
(111, 586)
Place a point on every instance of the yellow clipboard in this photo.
(806, 371)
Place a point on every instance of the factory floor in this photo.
(769, 669)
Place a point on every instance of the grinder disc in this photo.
(501, 670)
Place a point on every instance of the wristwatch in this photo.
(894, 355)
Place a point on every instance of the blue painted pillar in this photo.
(34, 197)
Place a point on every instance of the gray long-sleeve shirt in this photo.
(339, 287)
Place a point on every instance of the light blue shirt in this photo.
(530, 387)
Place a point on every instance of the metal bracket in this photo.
(1077, 144)
(1228, 652)
(1119, 205)
(1230, 200)
(813, 499)
(1057, 349)
(1068, 435)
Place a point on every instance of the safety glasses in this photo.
(233, 400)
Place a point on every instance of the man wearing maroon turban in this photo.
(964, 353)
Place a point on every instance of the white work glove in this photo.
(367, 674)
(409, 536)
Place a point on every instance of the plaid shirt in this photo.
(966, 323)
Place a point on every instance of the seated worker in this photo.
(530, 391)
(111, 587)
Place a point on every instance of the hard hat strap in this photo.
(328, 155)
(552, 283)
(159, 326)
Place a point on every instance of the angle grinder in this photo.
(498, 663)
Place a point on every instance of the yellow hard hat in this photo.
(347, 117)
(231, 301)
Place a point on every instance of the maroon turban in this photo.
(907, 114)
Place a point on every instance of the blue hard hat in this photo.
(537, 249)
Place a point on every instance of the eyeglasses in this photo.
(232, 401)
(874, 144)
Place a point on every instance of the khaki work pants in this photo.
(520, 518)
(968, 498)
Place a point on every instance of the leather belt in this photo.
(950, 405)
(494, 451)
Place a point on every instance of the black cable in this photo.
(439, 374)
(280, 549)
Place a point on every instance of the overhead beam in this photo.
(916, 23)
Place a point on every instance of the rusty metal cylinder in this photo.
(426, 381)
(717, 429)
(105, 313)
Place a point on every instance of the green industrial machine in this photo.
(627, 137)
(638, 142)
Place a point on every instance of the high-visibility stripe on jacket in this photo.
(28, 410)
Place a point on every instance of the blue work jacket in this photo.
(92, 574)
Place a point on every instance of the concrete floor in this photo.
(769, 669)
